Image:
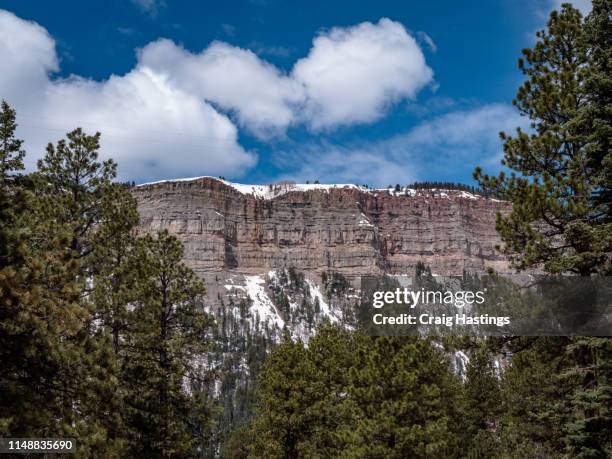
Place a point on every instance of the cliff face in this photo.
(248, 230)
(290, 257)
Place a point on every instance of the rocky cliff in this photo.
(352, 230)
(238, 238)
(291, 256)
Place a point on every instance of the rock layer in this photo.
(348, 229)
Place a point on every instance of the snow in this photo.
(363, 221)
(315, 292)
(186, 179)
(264, 191)
(275, 190)
(262, 306)
(461, 361)
(465, 194)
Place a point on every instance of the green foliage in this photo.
(351, 396)
(59, 377)
(557, 390)
(560, 180)
(88, 312)
(165, 339)
(11, 154)
(72, 185)
(482, 408)
(429, 185)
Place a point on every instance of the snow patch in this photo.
(461, 361)
(363, 221)
(315, 292)
(273, 190)
(262, 306)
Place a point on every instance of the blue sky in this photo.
(263, 90)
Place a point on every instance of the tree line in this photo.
(100, 331)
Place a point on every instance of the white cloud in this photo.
(464, 132)
(169, 115)
(441, 148)
(234, 78)
(150, 127)
(27, 56)
(353, 74)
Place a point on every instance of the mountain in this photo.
(243, 239)
(291, 256)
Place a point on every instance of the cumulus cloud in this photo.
(441, 148)
(149, 126)
(176, 112)
(27, 56)
(353, 74)
(236, 79)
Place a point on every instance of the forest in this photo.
(104, 338)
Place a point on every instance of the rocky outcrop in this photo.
(229, 228)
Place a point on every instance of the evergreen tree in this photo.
(73, 184)
(281, 427)
(11, 154)
(559, 389)
(331, 352)
(114, 240)
(559, 217)
(584, 407)
(405, 399)
(482, 404)
(58, 374)
(347, 395)
(593, 120)
(161, 350)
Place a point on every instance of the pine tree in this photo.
(559, 217)
(558, 389)
(113, 241)
(73, 184)
(482, 404)
(284, 392)
(331, 352)
(593, 120)
(165, 341)
(11, 154)
(529, 391)
(14, 338)
(406, 401)
(585, 407)
(57, 376)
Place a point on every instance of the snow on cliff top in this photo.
(265, 191)
(274, 190)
